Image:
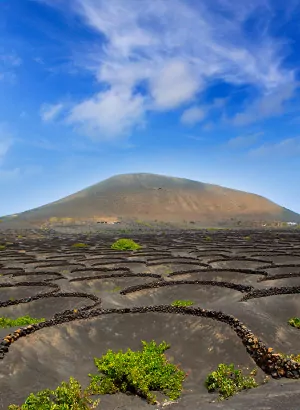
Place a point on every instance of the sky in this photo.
(205, 90)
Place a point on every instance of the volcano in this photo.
(157, 197)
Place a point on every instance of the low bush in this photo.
(295, 322)
(182, 303)
(67, 396)
(2, 247)
(138, 372)
(6, 322)
(125, 244)
(227, 381)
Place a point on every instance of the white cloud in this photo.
(109, 114)
(192, 115)
(244, 141)
(50, 112)
(286, 147)
(173, 85)
(173, 52)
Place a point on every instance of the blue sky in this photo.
(207, 90)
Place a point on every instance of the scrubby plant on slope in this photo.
(125, 244)
(138, 372)
(295, 322)
(20, 321)
(227, 381)
(182, 303)
(67, 396)
(2, 247)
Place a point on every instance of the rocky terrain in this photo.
(244, 284)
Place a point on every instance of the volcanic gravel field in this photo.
(95, 299)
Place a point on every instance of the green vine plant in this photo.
(227, 381)
(139, 372)
(125, 244)
(295, 322)
(182, 303)
(67, 396)
(6, 322)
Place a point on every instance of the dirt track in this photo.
(124, 297)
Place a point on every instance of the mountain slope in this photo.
(151, 196)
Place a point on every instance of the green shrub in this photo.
(6, 322)
(247, 238)
(2, 247)
(138, 372)
(125, 244)
(228, 381)
(208, 238)
(182, 303)
(80, 245)
(67, 396)
(295, 322)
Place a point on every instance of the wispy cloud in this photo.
(9, 62)
(6, 175)
(173, 54)
(195, 137)
(50, 112)
(6, 141)
(287, 147)
(267, 106)
(244, 141)
(192, 115)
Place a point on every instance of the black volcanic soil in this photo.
(255, 280)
